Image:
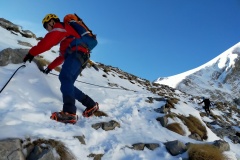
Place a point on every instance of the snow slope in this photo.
(31, 96)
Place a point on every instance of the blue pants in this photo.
(71, 68)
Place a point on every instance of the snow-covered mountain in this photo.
(139, 118)
(218, 79)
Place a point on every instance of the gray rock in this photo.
(195, 136)
(235, 139)
(24, 43)
(160, 99)
(11, 149)
(138, 146)
(15, 28)
(150, 100)
(222, 145)
(14, 56)
(213, 123)
(175, 147)
(97, 126)
(96, 156)
(152, 146)
(28, 149)
(163, 109)
(81, 139)
(163, 121)
(111, 125)
(40, 153)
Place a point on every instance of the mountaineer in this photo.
(74, 60)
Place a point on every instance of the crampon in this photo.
(64, 117)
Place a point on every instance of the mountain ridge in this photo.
(216, 79)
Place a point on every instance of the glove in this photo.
(28, 57)
(47, 70)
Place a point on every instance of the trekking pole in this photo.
(11, 77)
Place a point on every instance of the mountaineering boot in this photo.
(64, 117)
(88, 112)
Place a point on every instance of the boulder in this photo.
(175, 147)
(14, 56)
(11, 149)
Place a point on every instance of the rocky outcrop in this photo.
(111, 125)
(40, 149)
(11, 149)
(14, 56)
(16, 28)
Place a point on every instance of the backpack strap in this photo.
(87, 32)
(72, 45)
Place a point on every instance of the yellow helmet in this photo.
(48, 17)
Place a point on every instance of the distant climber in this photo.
(207, 103)
(238, 134)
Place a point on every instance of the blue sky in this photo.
(150, 39)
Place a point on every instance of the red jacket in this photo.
(59, 34)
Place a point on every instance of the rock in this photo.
(15, 28)
(40, 153)
(138, 146)
(163, 121)
(175, 147)
(11, 149)
(226, 131)
(159, 99)
(213, 123)
(97, 126)
(100, 114)
(222, 145)
(164, 109)
(96, 156)
(111, 125)
(149, 100)
(235, 139)
(14, 56)
(28, 149)
(152, 146)
(81, 139)
(24, 43)
(195, 136)
(42, 149)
